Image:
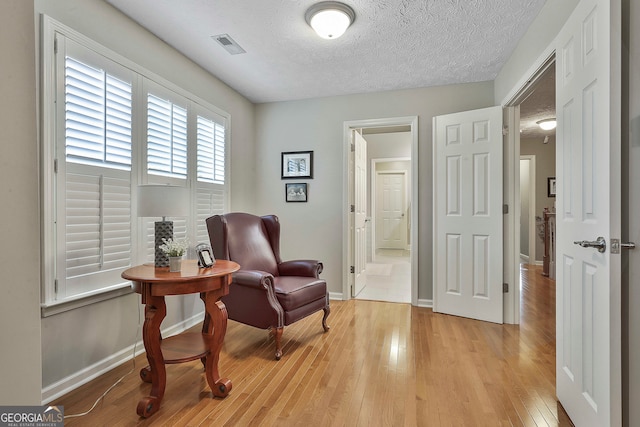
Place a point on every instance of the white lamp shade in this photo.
(162, 201)
(330, 19)
(330, 24)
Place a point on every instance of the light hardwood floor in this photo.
(381, 364)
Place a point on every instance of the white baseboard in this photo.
(426, 303)
(65, 385)
(335, 296)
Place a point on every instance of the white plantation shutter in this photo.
(209, 201)
(97, 116)
(97, 231)
(166, 138)
(93, 182)
(210, 189)
(211, 152)
(95, 101)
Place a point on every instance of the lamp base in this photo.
(164, 230)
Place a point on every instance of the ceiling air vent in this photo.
(228, 44)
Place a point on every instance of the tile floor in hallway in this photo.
(388, 277)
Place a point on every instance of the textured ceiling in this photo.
(539, 105)
(393, 44)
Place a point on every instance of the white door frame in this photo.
(374, 174)
(512, 176)
(348, 126)
(532, 205)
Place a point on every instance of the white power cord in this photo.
(133, 368)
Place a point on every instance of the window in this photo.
(95, 103)
(210, 170)
(97, 117)
(210, 150)
(166, 138)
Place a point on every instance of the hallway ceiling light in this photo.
(547, 124)
(330, 19)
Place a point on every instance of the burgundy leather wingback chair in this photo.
(266, 292)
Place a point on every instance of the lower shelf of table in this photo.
(184, 347)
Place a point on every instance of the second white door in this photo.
(391, 216)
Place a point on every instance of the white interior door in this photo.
(360, 210)
(391, 206)
(468, 241)
(588, 322)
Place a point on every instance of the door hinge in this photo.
(352, 269)
(505, 209)
(55, 286)
(353, 208)
(353, 147)
(505, 288)
(505, 130)
(55, 165)
(55, 45)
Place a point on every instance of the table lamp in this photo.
(162, 201)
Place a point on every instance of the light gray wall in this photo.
(545, 168)
(77, 339)
(20, 357)
(536, 40)
(314, 229)
(631, 208)
(388, 145)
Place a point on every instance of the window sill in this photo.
(57, 307)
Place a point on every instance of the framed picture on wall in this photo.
(297, 164)
(295, 192)
(551, 186)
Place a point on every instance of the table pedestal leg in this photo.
(154, 312)
(214, 330)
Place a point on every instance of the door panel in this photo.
(360, 208)
(588, 206)
(391, 220)
(468, 214)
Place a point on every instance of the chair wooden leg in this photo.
(327, 311)
(277, 333)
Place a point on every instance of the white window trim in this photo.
(49, 305)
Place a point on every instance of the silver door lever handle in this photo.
(599, 244)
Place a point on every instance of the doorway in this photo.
(538, 147)
(390, 272)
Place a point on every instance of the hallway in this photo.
(388, 277)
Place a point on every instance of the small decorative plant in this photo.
(174, 248)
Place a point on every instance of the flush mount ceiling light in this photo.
(330, 19)
(547, 124)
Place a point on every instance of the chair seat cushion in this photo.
(294, 292)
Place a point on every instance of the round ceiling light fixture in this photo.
(330, 19)
(547, 124)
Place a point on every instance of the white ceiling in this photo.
(393, 44)
(539, 105)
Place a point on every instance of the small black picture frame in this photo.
(551, 186)
(296, 165)
(205, 255)
(297, 192)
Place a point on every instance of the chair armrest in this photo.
(253, 278)
(301, 267)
